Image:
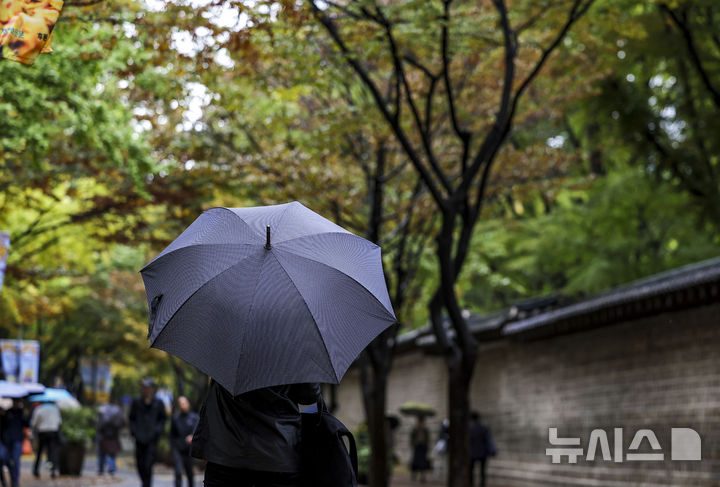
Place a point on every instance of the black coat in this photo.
(258, 430)
(480, 441)
(182, 425)
(147, 421)
(12, 424)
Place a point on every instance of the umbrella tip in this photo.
(267, 242)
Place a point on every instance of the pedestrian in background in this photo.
(481, 447)
(441, 450)
(110, 420)
(13, 422)
(419, 442)
(147, 423)
(45, 424)
(182, 428)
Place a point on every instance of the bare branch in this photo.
(463, 135)
(686, 32)
(380, 102)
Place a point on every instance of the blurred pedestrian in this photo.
(419, 442)
(5, 404)
(13, 422)
(441, 450)
(252, 440)
(110, 421)
(182, 428)
(147, 423)
(45, 424)
(481, 447)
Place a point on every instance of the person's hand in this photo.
(188, 439)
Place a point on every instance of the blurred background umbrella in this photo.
(414, 408)
(12, 390)
(34, 387)
(269, 295)
(61, 397)
(51, 394)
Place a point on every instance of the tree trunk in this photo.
(379, 470)
(460, 356)
(459, 378)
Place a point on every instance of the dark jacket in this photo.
(147, 421)
(258, 430)
(181, 426)
(110, 420)
(480, 442)
(12, 424)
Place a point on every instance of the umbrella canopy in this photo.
(413, 408)
(33, 387)
(12, 390)
(68, 403)
(262, 296)
(52, 395)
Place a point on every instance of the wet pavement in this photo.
(126, 476)
(163, 476)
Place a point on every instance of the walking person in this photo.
(252, 440)
(441, 450)
(110, 421)
(182, 427)
(13, 422)
(419, 442)
(147, 423)
(481, 447)
(45, 423)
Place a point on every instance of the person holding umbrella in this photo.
(45, 423)
(419, 442)
(147, 422)
(12, 425)
(252, 439)
(268, 301)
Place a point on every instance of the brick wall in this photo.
(655, 373)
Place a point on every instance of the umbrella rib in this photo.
(302, 298)
(282, 217)
(193, 294)
(310, 235)
(344, 274)
(254, 230)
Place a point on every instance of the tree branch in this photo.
(332, 30)
(463, 135)
(692, 50)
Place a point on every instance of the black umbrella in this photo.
(263, 296)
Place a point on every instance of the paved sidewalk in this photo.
(162, 476)
(125, 476)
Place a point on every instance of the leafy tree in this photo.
(416, 61)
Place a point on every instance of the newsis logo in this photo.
(685, 445)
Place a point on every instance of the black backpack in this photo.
(325, 461)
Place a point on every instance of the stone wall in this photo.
(655, 373)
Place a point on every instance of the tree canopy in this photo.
(147, 113)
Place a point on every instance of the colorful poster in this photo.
(4, 248)
(97, 379)
(29, 361)
(10, 355)
(103, 381)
